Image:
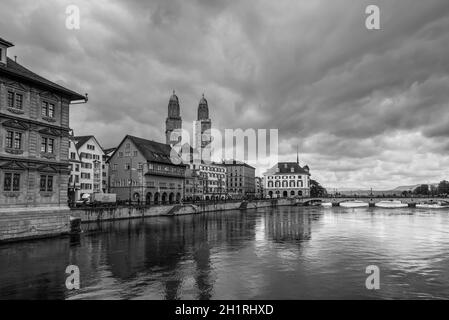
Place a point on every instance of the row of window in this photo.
(85, 175)
(86, 165)
(214, 169)
(86, 155)
(11, 182)
(285, 177)
(86, 186)
(15, 101)
(14, 140)
(127, 154)
(286, 184)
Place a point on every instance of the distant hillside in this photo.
(397, 190)
(406, 188)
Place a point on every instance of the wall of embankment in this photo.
(129, 212)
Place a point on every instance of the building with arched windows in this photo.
(287, 180)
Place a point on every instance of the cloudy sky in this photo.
(367, 108)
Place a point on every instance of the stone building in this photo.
(34, 139)
(212, 179)
(240, 179)
(141, 170)
(34, 147)
(287, 180)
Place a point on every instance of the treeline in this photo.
(427, 190)
(316, 189)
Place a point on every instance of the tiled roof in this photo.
(286, 168)
(236, 163)
(15, 69)
(81, 140)
(152, 150)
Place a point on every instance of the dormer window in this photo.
(4, 45)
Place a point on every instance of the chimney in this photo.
(4, 45)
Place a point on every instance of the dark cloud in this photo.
(355, 101)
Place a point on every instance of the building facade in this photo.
(287, 180)
(142, 171)
(240, 179)
(193, 186)
(34, 137)
(91, 156)
(212, 179)
(258, 181)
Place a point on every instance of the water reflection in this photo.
(271, 253)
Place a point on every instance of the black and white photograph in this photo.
(224, 156)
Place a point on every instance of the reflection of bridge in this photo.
(371, 200)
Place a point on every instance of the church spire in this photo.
(173, 123)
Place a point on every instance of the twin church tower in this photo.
(173, 123)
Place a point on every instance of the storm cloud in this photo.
(367, 108)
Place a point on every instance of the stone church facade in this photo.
(34, 117)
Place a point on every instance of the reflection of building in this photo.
(91, 156)
(240, 179)
(34, 143)
(288, 225)
(141, 169)
(287, 179)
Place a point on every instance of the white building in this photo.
(75, 171)
(213, 179)
(91, 156)
(287, 180)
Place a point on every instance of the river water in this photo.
(270, 253)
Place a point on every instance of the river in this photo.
(269, 253)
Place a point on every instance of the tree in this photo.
(443, 187)
(317, 190)
(422, 190)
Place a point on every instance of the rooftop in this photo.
(152, 151)
(16, 70)
(286, 168)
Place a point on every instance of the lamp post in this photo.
(130, 178)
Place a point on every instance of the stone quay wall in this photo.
(30, 223)
(129, 212)
(42, 222)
